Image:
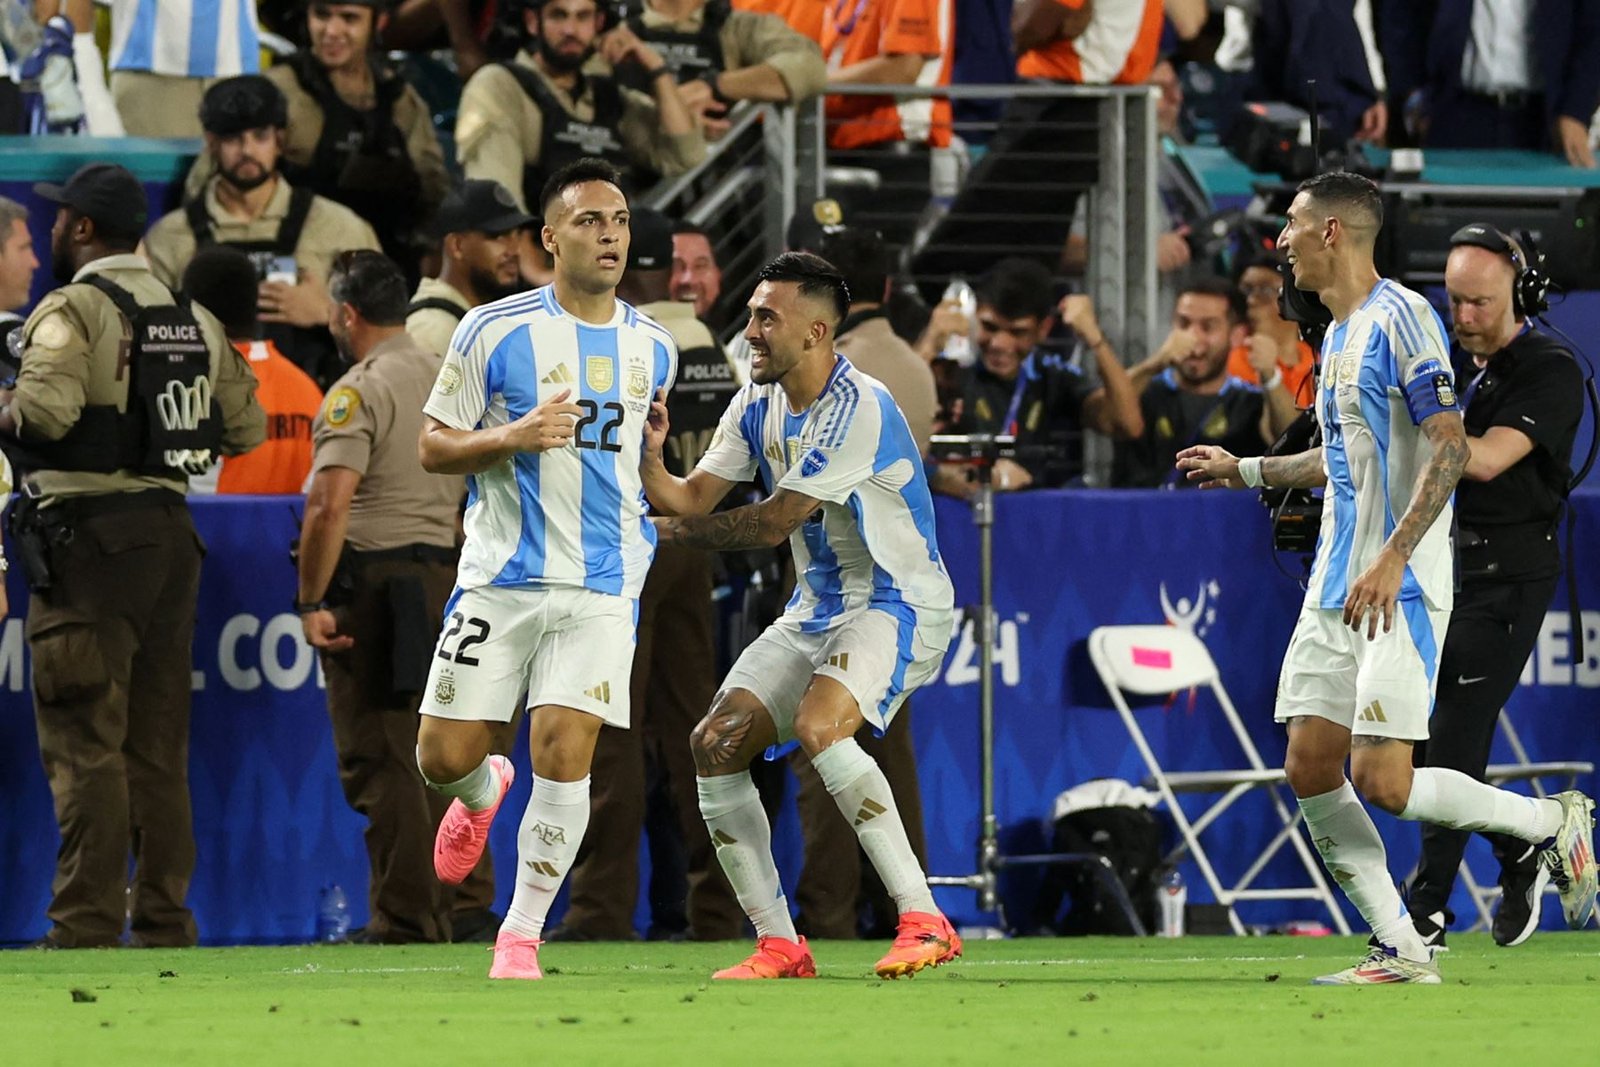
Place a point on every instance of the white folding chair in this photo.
(1154, 660)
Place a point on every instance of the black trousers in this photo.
(1492, 632)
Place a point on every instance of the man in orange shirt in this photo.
(1021, 195)
(1273, 356)
(889, 42)
(803, 16)
(223, 281)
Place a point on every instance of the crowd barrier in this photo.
(273, 827)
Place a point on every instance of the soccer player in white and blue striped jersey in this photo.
(1393, 447)
(165, 53)
(542, 400)
(869, 621)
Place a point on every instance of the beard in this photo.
(254, 181)
(61, 264)
(490, 288)
(560, 62)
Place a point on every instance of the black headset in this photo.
(1530, 289)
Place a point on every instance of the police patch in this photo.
(342, 403)
(449, 383)
(52, 332)
(813, 464)
(1444, 390)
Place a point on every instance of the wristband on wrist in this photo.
(307, 607)
(1274, 381)
(1250, 472)
(659, 71)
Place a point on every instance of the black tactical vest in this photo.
(567, 138)
(689, 55)
(173, 424)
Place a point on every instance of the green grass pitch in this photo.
(1235, 1001)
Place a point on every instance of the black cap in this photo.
(248, 102)
(812, 224)
(1481, 235)
(650, 240)
(478, 205)
(105, 193)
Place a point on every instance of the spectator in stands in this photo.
(1483, 74)
(834, 883)
(291, 234)
(696, 275)
(164, 55)
(1187, 397)
(1273, 356)
(223, 281)
(17, 264)
(1022, 193)
(357, 133)
(645, 776)
(521, 121)
(889, 42)
(477, 226)
(804, 17)
(1022, 389)
(1333, 44)
(721, 56)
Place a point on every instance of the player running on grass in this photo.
(542, 400)
(1393, 448)
(869, 621)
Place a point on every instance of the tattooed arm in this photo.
(1217, 468)
(1373, 594)
(1302, 470)
(752, 526)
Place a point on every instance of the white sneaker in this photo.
(1570, 858)
(1384, 966)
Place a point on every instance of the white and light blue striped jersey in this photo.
(186, 38)
(1384, 370)
(571, 516)
(872, 543)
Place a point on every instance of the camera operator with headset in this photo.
(1522, 402)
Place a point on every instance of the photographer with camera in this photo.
(1522, 401)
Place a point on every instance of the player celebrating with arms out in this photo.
(542, 401)
(869, 622)
(1393, 449)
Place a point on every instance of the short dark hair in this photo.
(863, 259)
(685, 226)
(1265, 260)
(579, 171)
(1220, 287)
(371, 283)
(1017, 288)
(224, 281)
(815, 276)
(1346, 194)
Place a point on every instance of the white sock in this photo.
(547, 843)
(859, 787)
(1353, 853)
(478, 790)
(739, 829)
(1449, 798)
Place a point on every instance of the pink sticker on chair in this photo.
(1159, 658)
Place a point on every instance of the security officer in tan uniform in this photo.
(559, 100)
(721, 56)
(289, 232)
(643, 774)
(377, 561)
(357, 133)
(122, 394)
(477, 226)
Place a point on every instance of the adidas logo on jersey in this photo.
(562, 375)
(601, 692)
(840, 660)
(1373, 712)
